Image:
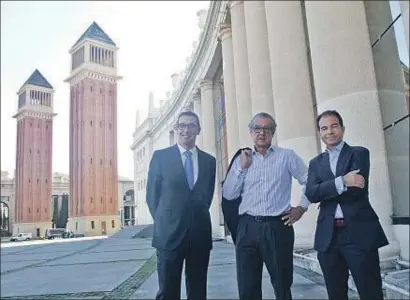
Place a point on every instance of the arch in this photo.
(4, 218)
(130, 192)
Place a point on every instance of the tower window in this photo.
(109, 126)
(30, 150)
(110, 200)
(100, 161)
(91, 89)
(45, 210)
(38, 210)
(91, 160)
(29, 180)
(46, 180)
(101, 200)
(91, 123)
(29, 211)
(91, 199)
(38, 180)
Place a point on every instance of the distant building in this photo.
(93, 134)
(34, 155)
(61, 186)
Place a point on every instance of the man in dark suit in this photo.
(348, 232)
(180, 188)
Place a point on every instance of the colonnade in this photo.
(295, 59)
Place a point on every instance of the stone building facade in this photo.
(294, 59)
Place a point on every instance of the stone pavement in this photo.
(117, 268)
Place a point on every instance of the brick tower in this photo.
(93, 134)
(33, 173)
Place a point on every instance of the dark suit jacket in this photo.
(230, 208)
(175, 209)
(362, 223)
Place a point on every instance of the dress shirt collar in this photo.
(182, 150)
(270, 150)
(337, 148)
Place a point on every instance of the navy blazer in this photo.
(362, 223)
(230, 208)
(178, 211)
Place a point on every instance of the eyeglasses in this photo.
(182, 126)
(258, 129)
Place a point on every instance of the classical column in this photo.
(231, 111)
(241, 67)
(404, 7)
(293, 96)
(197, 109)
(208, 145)
(390, 85)
(348, 84)
(258, 57)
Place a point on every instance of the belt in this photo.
(261, 219)
(339, 223)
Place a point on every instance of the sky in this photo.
(154, 38)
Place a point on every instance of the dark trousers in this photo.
(169, 268)
(266, 241)
(364, 266)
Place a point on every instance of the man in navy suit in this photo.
(180, 188)
(348, 232)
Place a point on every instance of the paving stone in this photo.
(32, 256)
(8, 266)
(120, 268)
(104, 257)
(67, 279)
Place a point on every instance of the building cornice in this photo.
(206, 44)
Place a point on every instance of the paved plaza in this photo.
(117, 267)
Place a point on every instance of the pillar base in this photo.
(392, 250)
(83, 225)
(303, 240)
(32, 228)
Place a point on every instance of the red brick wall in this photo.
(33, 170)
(93, 149)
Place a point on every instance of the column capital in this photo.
(206, 84)
(232, 4)
(196, 95)
(225, 31)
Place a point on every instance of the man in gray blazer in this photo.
(180, 188)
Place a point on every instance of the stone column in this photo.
(241, 66)
(258, 57)
(293, 96)
(348, 84)
(197, 109)
(208, 141)
(404, 6)
(231, 111)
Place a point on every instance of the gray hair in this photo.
(262, 115)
